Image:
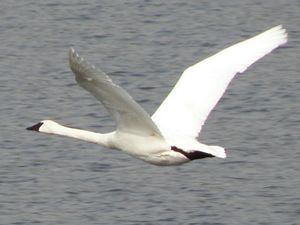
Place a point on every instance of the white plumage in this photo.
(169, 137)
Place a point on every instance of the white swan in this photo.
(169, 137)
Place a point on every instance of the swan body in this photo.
(169, 137)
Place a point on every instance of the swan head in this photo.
(45, 126)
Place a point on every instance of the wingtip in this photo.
(284, 36)
(72, 52)
(281, 33)
(74, 57)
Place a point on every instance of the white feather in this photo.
(185, 109)
(129, 116)
(169, 137)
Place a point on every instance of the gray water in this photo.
(144, 46)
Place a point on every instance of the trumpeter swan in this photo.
(169, 137)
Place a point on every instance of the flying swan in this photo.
(169, 137)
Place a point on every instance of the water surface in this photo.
(145, 45)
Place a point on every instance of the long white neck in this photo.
(51, 127)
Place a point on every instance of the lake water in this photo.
(144, 46)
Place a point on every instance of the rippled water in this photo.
(145, 45)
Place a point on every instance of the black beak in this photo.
(35, 127)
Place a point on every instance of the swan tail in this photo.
(218, 151)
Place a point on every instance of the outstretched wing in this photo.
(128, 115)
(200, 87)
